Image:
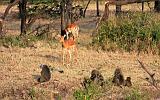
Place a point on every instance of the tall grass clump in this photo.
(135, 94)
(92, 90)
(134, 31)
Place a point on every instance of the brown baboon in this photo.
(86, 82)
(128, 82)
(118, 78)
(45, 74)
(97, 77)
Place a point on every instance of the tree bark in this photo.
(157, 6)
(68, 11)
(97, 4)
(142, 6)
(23, 17)
(1, 28)
(62, 15)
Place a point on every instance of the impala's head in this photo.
(69, 30)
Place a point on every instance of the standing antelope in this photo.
(68, 45)
(74, 29)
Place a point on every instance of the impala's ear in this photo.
(63, 32)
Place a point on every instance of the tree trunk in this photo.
(157, 6)
(1, 28)
(97, 3)
(142, 6)
(84, 13)
(14, 2)
(20, 10)
(23, 17)
(62, 15)
(68, 11)
(118, 9)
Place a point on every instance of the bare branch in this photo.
(9, 7)
(153, 82)
(84, 13)
(125, 2)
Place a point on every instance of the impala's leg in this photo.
(75, 51)
(68, 57)
(77, 31)
(63, 56)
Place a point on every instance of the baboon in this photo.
(118, 78)
(45, 74)
(97, 77)
(128, 82)
(86, 82)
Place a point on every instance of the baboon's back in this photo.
(45, 74)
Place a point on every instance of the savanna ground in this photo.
(20, 66)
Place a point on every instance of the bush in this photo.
(135, 94)
(92, 91)
(19, 41)
(132, 32)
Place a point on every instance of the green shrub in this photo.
(32, 93)
(92, 91)
(135, 94)
(19, 41)
(130, 32)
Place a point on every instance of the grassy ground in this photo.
(19, 67)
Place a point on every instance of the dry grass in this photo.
(20, 66)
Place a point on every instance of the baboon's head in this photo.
(117, 71)
(128, 79)
(94, 74)
(43, 66)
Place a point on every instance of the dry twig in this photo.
(153, 81)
